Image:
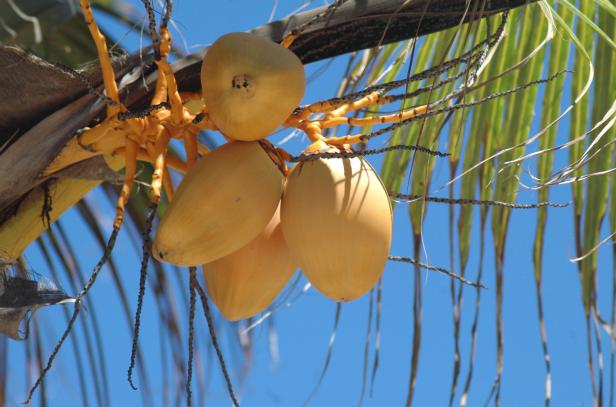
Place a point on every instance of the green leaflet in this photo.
(597, 188)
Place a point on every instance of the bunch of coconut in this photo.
(249, 221)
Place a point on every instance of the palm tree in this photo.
(484, 74)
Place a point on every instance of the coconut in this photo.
(245, 282)
(223, 203)
(337, 221)
(250, 85)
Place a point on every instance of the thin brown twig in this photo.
(470, 57)
(432, 111)
(435, 268)
(76, 309)
(326, 13)
(86, 82)
(350, 154)
(143, 112)
(145, 258)
(468, 201)
(191, 334)
(167, 16)
(152, 27)
(208, 316)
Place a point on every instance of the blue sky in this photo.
(303, 330)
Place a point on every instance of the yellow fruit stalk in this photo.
(250, 85)
(223, 203)
(337, 221)
(245, 282)
(28, 222)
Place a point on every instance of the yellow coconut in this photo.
(223, 203)
(250, 85)
(245, 282)
(337, 221)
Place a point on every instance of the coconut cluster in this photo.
(251, 223)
